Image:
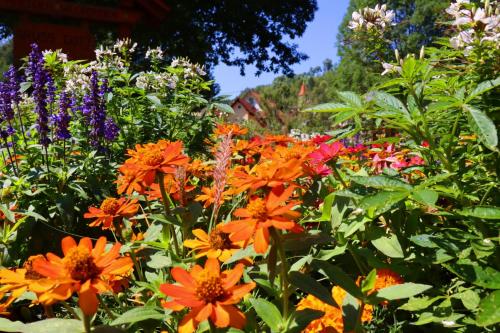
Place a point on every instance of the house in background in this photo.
(248, 107)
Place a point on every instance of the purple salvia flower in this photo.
(111, 130)
(51, 89)
(39, 77)
(12, 79)
(61, 120)
(6, 111)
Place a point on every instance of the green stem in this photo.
(137, 266)
(283, 271)
(337, 174)
(86, 323)
(106, 308)
(166, 205)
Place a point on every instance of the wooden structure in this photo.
(60, 24)
(247, 107)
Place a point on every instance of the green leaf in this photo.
(470, 299)
(338, 277)
(268, 312)
(311, 286)
(158, 261)
(351, 98)
(154, 100)
(223, 107)
(350, 310)
(381, 182)
(327, 207)
(389, 246)
(483, 126)
(240, 254)
(300, 319)
(390, 103)
(482, 212)
(419, 303)
(382, 201)
(485, 277)
(489, 310)
(369, 282)
(483, 87)
(425, 196)
(329, 107)
(139, 314)
(404, 290)
(52, 325)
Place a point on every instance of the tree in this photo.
(417, 23)
(238, 33)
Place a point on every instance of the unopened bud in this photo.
(422, 52)
(396, 53)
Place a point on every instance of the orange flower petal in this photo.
(67, 243)
(183, 277)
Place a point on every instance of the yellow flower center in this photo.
(257, 207)
(153, 158)
(209, 288)
(219, 240)
(110, 206)
(80, 264)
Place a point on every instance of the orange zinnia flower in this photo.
(210, 293)
(16, 282)
(149, 159)
(234, 129)
(208, 196)
(261, 214)
(216, 244)
(331, 321)
(112, 210)
(269, 173)
(83, 269)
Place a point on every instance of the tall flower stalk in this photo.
(222, 162)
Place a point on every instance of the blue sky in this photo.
(318, 42)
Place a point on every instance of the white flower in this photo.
(375, 19)
(389, 68)
(448, 323)
(154, 54)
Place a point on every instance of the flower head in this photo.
(111, 212)
(275, 210)
(209, 293)
(216, 244)
(84, 269)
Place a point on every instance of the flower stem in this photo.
(337, 174)
(275, 234)
(70, 310)
(86, 323)
(166, 205)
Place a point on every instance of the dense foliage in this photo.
(209, 32)
(392, 232)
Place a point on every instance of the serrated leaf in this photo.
(482, 276)
(329, 107)
(389, 246)
(139, 314)
(311, 286)
(269, 313)
(381, 182)
(350, 98)
(390, 103)
(425, 196)
(483, 126)
(484, 87)
(404, 290)
(489, 310)
(420, 303)
(482, 212)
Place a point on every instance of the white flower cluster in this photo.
(297, 134)
(190, 69)
(60, 56)
(475, 25)
(371, 19)
(154, 54)
(124, 46)
(151, 81)
(77, 77)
